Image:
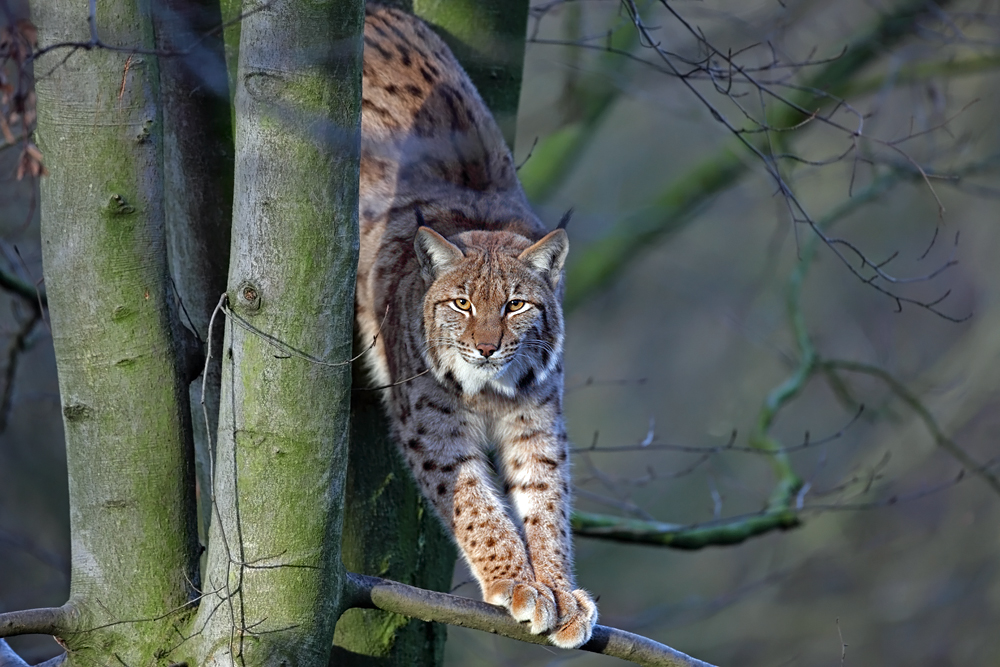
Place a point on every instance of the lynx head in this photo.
(492, 312)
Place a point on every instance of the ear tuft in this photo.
(434, 252)
(548, 255)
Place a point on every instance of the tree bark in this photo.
(198, 186)
(113, 323)
(274, 573)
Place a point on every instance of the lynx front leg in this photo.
(453, 474)
(536, 470)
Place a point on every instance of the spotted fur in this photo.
(460, 286)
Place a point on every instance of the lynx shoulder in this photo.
(462, 285)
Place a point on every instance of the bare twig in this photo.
(22, 288)
(599, 263)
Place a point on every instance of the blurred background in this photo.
(895, 561)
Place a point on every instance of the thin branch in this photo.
(374, 593)
(808, 442)
(600, 262)
(20, 344)
(31, 293)
(787, 497)
(95, 41)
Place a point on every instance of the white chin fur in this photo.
(503, 380)
(474, 378)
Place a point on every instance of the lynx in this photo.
(460, 287)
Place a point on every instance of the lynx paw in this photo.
(526, 601)
(568, 616)
(577, 617)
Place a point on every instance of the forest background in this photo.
(895, 557)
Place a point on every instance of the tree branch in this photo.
(374, 593)
(715, 533)
(783, 508)
(42, 621)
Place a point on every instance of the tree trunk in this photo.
(272, 590)
(198, 189)
(274, 569)
(389, 531)
(273, 561)
(113, 324)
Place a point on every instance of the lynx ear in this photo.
(548, 255)
(434, 252)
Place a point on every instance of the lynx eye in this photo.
(463, 304)
(515, 305)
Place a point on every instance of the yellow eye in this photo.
(515, 305)
(463, 304)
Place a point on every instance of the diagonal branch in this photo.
(910, 399)
(374, 593)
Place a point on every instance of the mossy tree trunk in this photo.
(274, 567)
(114, 327)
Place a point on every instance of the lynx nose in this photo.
(486, 349)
